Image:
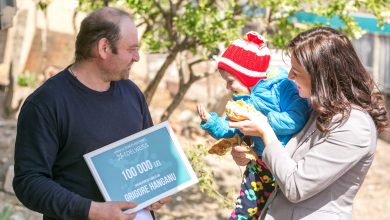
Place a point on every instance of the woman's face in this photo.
(233, 84)
(301, 78)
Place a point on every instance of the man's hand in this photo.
(157, 205)
(203, 114)
(110, 210)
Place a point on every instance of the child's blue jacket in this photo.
(279, 100)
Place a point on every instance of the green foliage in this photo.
(91, 5)
(42, 4)
(207, 26)
(199, 26)
(195, 154)
(27, 79)
(6, 213)
(276, 23)
(196, 26)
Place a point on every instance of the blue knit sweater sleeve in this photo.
(218, 127)
(294, 111)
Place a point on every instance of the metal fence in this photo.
(374, 52)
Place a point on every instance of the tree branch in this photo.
(195, 62)
(181, 71)
(210, 3)
(143, 22)
(169, 22)
(270, 14)
(178, 4)
(160, 8)
(172, 7)
(149, 21)
(194, 77)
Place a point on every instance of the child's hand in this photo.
(203, 114)
(241, 155)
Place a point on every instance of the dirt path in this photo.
(373, 199)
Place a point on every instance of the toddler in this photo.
(244, 66)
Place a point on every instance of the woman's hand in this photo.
(203, 114)
(256, 125)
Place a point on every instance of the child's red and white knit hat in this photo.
(247, 59)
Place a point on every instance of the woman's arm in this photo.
(257, 125)
(325, 162)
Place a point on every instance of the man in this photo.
(84, 107)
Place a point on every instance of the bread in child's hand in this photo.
(222, 146)
(238, 110)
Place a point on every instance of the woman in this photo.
(321, 169)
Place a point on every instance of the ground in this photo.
(372, 201)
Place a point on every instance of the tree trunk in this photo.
(178, 98)
(74, 24)
(9, 95)
(152, 87)
(44, 37)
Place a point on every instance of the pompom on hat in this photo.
(247, 59)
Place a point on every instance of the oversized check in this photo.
(142, 168)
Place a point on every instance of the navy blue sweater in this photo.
(60, 122)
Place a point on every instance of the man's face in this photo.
(127, 51)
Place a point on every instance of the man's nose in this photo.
(136, 56)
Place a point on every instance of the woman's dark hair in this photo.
(102, 23)
(338, 78)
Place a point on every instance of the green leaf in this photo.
(6, 213)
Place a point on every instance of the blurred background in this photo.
(180, 40)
